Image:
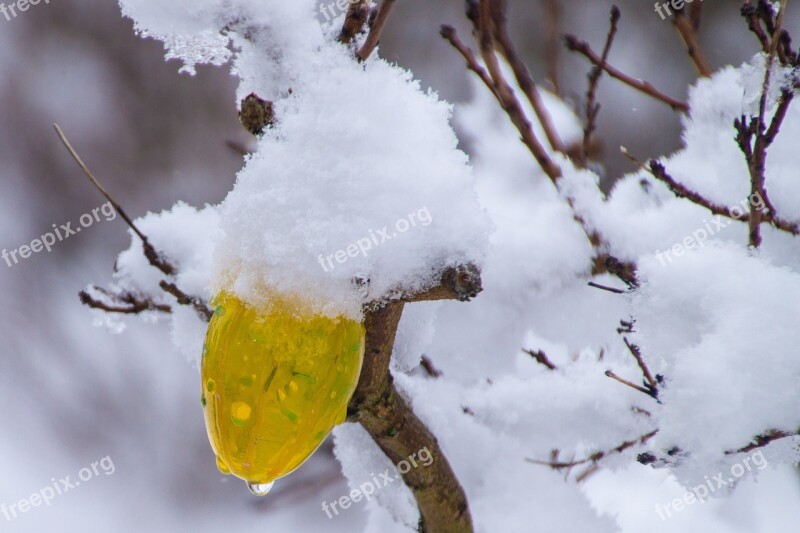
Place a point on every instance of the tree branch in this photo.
(576, 45)
(376, 30)
(391, 421)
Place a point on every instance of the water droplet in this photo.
(281, 395)
(240, 413)
(210, 385)
(293, 386)
(260, 489)
(203, 400)
(219, 311)
(222, 467)
(333, 395)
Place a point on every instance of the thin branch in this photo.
(597, 456)
(687, 31)
(156, 259)
(553, 8)
(376, 30)
(658, 171)
(523, 75)
(605, 288)
(540, 357)
(450, 35)
(429, 367)
(761, 441)
(630, 384)
(764, 137)
(593, 108)
(637, 354)
(576, 45)
(124, 303)
(200, 306)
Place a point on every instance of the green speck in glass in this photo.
(291, 415)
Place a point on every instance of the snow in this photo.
(359, 147)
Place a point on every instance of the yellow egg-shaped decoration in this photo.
(275, 383)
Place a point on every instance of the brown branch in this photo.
(200, 306)
(658, 171)
(124, 303)
(156, 259)
(449, 33)
(637, 354)
(761, 441)
(758, 161)
(751, 15)
(391, 421)
(376, 30)
(630, 384)
(523, 75)
(508, 100)
(576, 45)
(553, 46)
(603, 287)
(540, 357)
(597, 456)
(696, 14)
(593, 108)
(429, 367)
(687, 31)
(481, 16)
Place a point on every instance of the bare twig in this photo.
(429, 367)
(376, 30)
(688, 33)
(484, 33)
(540, 357)
(605, 288)
(630, 384)
(124, 303)
(758, 162)
(761, 441)
(156, 259)
(576, 45)
(597, 456)
(523, 75)
(593, 108)
(449, 33)
(637, 354)
(553, 8)
(200, 306)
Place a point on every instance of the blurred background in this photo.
(73, 393)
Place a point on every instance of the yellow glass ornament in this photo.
(275, 383)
